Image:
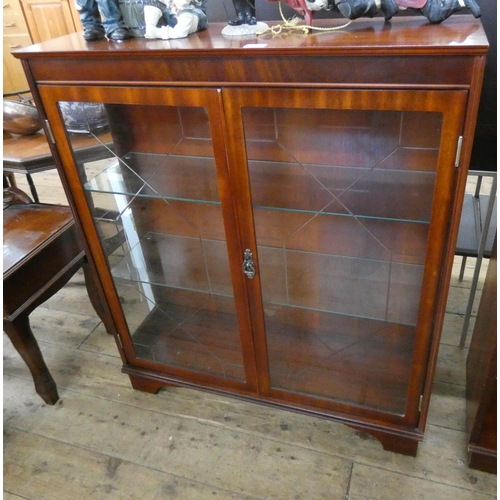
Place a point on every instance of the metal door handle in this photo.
(248, 265)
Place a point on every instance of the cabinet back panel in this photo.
(339, 357)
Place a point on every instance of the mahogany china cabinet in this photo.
(277, 215)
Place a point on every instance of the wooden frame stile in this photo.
(237, 162)
(236, 252)
(481, 377)
(432, 295)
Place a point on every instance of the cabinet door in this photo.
(15, 36)
(152, 193)
(345, 198)
(49, 19)
(14, 79)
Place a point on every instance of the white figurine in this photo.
(186, 17)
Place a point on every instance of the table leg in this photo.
(21, 336)
(9, 180)
(32, 188)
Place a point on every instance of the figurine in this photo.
(183, 17)
(102, 17)
(436, 11)
(245, 13)
(246, 21)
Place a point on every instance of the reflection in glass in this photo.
(342, 202)
(151, 183)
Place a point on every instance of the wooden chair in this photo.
(476, 234)
(41, 252)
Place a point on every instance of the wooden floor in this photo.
(103, 440)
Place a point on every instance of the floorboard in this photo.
(103, 440)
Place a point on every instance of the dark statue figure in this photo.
(245, 12)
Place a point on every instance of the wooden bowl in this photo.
(20, 118)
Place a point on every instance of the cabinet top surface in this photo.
(460, 34)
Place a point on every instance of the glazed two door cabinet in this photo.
(274, 217)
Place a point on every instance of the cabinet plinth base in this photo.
(483, 459)
(402, 445)
(147, 384)
(392, 441)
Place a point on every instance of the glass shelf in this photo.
(172, 177)
(276, 186)
(159, 259)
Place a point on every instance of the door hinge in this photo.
(459, 151)
(49, 130)
(420, 402)
(119, 341)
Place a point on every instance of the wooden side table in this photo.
(41, 252)
(29, 154)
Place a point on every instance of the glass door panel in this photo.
(150, 178)
(342, 204)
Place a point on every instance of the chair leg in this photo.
(21, 336)
(480, 254)
(462, 268)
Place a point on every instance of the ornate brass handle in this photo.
(248, 265)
